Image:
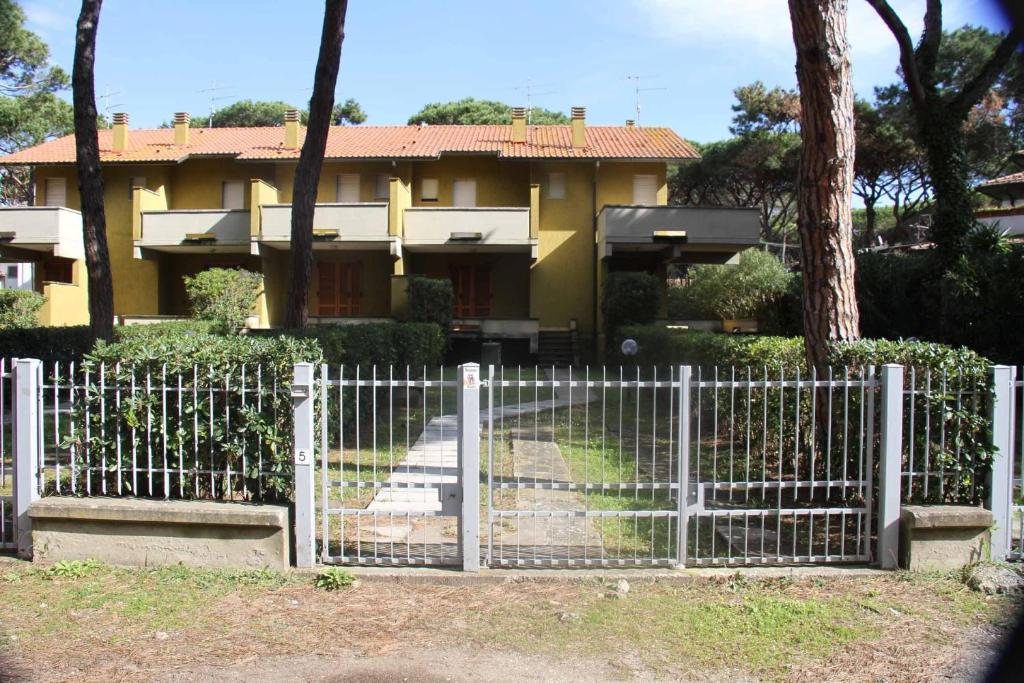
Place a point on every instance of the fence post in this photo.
(683, 493)
(890, 464)
(1000, 484)
(468, 436)
(28, 378)
(303, 440)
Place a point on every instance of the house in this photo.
(1008, 190)
(525, 220)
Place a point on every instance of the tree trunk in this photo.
(90, 175)
(942, 135)
(825, 183)
(869, 222)
(311, 159)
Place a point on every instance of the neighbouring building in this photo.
(525, 220)
(1008, 190)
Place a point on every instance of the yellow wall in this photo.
(498, 183)
(67, 304)
(198, 183)
(615, 182)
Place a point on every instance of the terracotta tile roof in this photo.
(376, 142)
(1002, 181)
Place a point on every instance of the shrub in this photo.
(19, 308)
(381, 344)
(743, 290)
(180, 432)
(171, 328)
(431, 300)
(224, 296)
(334, 578)
(629, 298)
(62, 345)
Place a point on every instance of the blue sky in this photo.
(399, 54)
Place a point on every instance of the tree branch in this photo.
(984, 79)
(911, 74)
(927, 53)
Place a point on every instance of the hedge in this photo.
(629, 298)
(380, 344)
(19, 308)
(62, 345)
(185, 441)
(431, 300)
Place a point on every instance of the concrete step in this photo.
(430, 477)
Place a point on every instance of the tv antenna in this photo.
(214, 89)
(531, 92)
(107, 104)
(636, 93)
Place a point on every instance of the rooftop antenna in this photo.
(531, 92)
(636, 93)
(214, 98)
(107, 104)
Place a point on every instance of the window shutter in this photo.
(55, 192)
(233, 195)
(428, 189)
(645, 190)
(327, 293)
(464, 193)
(556, 186)
(482, 291)
(383, 188)
(348, 188)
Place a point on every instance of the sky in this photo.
(158, 57)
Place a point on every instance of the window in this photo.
(347, 188)
(645, 190)
(556, 186)
(428, 190)
(58, 270)
(472, 285)
(137, 181)
(55, 192)
(232, 195)
(464, 192)
(382, 188)
(339, 288)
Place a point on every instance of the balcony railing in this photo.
(53, 230)
(194, 229)
(724, 227)
(366, 222)
(483, 226)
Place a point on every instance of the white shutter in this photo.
(464, 193)
(428, 189)
(233, 195)
(348, 188)
(383, 186)
(56, 192)
(556, 186)
(645, 190)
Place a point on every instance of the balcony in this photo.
(692, 234)
(461, 229)
(29, 232)
(207, 231)
(335, 226)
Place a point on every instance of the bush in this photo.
(224, 296)
(184, 439)
(51, 345)
(380, 344)
(431, 300)
(171, 328)
(629, 299)
(744, 290)
(19, 308)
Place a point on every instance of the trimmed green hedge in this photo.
(381, 344)
(50, 344)
(184, 450)
(629, 298)
(431, 300)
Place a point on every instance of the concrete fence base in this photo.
(144, 533)
(943, 537)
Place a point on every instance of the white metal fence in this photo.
(528, 466)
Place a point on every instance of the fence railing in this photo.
(578, 467)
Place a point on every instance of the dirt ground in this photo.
(179, 625)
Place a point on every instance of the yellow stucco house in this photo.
(525, 220)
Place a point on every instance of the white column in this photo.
(469, 465)
(305, 514)
(683, 493)
(28, 378)
(890, 465)
(1000, 483)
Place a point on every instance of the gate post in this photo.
(468, 437)
(28, 379)
(1000, 477)
(683, 492)
(303, 445)
(890, 465)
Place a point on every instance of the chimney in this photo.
(630, 123)
(518, 124)
(579, 138)
(181, 126)
(120, 131)
(291, 129)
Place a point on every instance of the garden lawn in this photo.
(100, 623)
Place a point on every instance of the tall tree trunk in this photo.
(90, 175)
(311, 159)
(825, 183)
(942, 134)
(869, 222)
